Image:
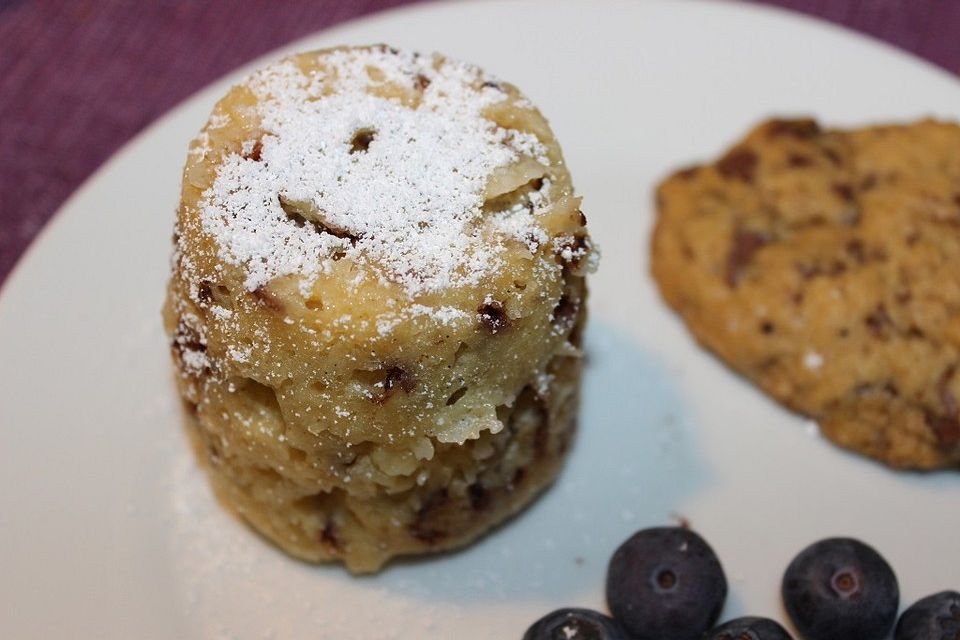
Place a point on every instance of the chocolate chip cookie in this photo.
(824, 265)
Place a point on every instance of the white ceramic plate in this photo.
(107, 529)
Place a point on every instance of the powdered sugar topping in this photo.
(393, 185)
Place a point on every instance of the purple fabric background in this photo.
(80, 77)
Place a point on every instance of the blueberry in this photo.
(575, 624)
(666, 584)
(749, 628)
(935, 617)
(841, 588)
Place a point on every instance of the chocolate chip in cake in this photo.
(493, 317)
(255, 152)
(479, 496)
(268, 299)
(213, 453)
(361, 140)
(518, 477)
(398, 378)
(330, 536)
(541, 437)
(574, 252)
(185, 339)
(204, 292)
(565, 313)
(422, 528)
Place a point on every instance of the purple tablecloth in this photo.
(79, 78)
